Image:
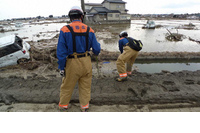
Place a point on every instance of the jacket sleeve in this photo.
(121, 46)
(62, 51)
(96, 47)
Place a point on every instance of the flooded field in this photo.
(153, 39)
(34, 32)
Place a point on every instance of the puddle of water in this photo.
(172, 67)
(110, 68)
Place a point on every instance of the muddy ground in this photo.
(178, 91)
(34, 85)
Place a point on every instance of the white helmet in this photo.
(123, 34)
(75, 10)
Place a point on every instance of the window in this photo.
(123, 17)
(118, 6)
(110, 15)
(18, 41)
(9, 49)
(117, 15)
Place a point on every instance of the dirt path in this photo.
(141, 88)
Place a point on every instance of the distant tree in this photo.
(50, 16)
(38, 17)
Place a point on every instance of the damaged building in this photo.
(107, 11)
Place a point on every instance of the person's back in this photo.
(79, 40)
(75, 41)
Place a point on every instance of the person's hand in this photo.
(62, 73)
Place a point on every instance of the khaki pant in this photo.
(77, 69)
(128, 56)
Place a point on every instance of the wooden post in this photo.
(83, 8)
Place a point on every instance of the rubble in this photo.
(194, 40)
(174, 36)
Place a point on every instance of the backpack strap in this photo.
(87, 38)
(79, 34)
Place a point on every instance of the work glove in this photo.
(62, 73)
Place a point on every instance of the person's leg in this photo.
(122, 59)
(68, 83)
(121, 65)
(129, 67)
(129, 64)
(84, 83)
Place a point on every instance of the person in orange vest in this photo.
(74, 44)
(129, 52)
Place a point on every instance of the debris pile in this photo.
(47, 55)
(197, 41)
(189, 26)
(174, 36)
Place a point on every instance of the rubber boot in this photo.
(121, 79)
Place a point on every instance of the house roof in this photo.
(104, 10)
(100, 9)
(114, 1)
(114, 11)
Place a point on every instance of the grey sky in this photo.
(188, 4)
(26, 8)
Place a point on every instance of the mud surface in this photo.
(75, 107)
(141, 88)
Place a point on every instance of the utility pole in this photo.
(83, 8)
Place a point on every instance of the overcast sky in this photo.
(32, 8)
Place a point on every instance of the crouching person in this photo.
(129, 49)
(75, 40)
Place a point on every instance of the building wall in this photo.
(113, 16)
(100, 17)
(125, 17)
(107, 5)
(116, 6)
(87, 7)
(93, 11)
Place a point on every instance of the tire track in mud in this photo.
(141, 88)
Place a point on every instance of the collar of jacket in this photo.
(122, 38)
(76, 21)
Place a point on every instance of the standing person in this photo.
(75, 40)
(129, 52)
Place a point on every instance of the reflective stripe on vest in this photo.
(79, 34)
